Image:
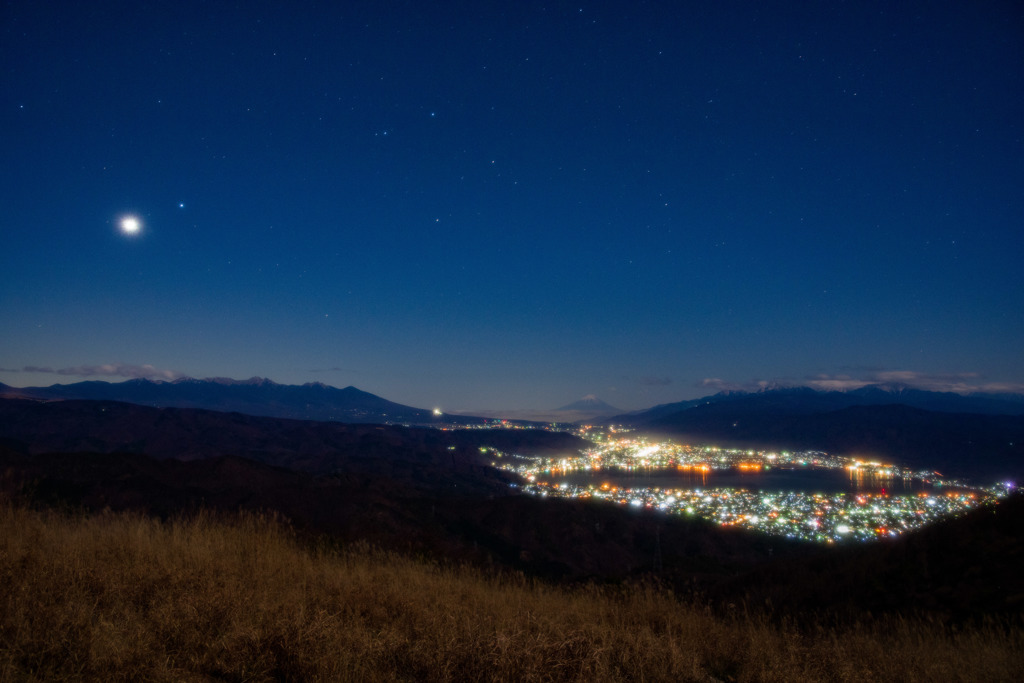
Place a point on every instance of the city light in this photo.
(813, 516)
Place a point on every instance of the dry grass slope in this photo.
(123, 597)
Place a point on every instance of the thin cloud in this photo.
(837, 382)
(37, 368)
(652, 381)
(109, 370)
(959, 383)
(717, 384)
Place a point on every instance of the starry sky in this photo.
(508, 205)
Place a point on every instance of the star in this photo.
(130, 225)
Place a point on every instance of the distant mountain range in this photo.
(256, 396)
(266, 398)
(805, 401)
(317, 401)
(979, 436)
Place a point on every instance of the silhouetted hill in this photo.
(256, 396)
(940, 401)
(412, 489)
(556, 539)
(956, 569)
(964, 566)
(425, 491)
(417, 455)
(806, 401)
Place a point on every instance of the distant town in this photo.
(870, 510)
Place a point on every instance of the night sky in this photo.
(510, 205)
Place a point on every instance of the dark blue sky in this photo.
(509, 205)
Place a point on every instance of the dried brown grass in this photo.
(124, 597)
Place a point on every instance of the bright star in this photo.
(130, 225)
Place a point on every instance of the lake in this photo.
(807, 479)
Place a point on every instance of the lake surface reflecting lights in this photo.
(809, 479)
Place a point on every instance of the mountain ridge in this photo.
(419, 454)
(254, 396)
(803, 399)
(590, 404)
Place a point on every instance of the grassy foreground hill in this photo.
(121, 596)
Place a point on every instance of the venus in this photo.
(130, 225)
